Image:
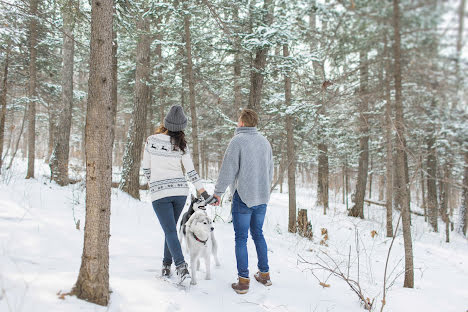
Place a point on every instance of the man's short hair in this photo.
(249, 117)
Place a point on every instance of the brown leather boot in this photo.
(242, 285)
(263, 278)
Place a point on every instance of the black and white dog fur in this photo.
(197, 229)
(195, 205)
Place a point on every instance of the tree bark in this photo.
(381, 187)
(291, 153)
(401, 190)
(432, 203)
(130, 181)
(444, 201)
(322, 179)
(162, 89)
(259, 63)
(191, 82)
(237, 68)
(59, 159)
(93, 279)
(371, 177)
(319, 71)
(32, 94)
(358, 209)
(389, 147)
(115, 67)
(52, 116)
(463, 223)
(459, 77)
(3, 102)
(423, 190)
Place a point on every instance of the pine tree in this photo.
(401, 189)
(130, 181)
(59, 160)
(93, 279)
(32, 93)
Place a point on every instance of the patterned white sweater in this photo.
(162, 166)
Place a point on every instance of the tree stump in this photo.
(304, 227)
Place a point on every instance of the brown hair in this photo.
(177, 138)
(249, 117)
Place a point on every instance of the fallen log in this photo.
(383, 204)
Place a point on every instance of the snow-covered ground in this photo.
(40, 251)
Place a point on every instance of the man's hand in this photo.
(218, 200)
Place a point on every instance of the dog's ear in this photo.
(190, 221)
(193, 197)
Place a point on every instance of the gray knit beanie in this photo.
(175, 120)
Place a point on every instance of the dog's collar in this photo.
(199, 240)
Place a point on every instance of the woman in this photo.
(165, 153)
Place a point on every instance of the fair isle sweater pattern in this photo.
(162, 167)
(157, 186)
(162, 148)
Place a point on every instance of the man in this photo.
(248, 170)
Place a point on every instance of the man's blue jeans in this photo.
(244, 218)
(168, 210)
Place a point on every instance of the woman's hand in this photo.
(210, 199)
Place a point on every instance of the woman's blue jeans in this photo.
(168, 210)
(244, 218)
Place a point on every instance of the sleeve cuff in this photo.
(198, 185)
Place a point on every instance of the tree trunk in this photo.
(191, 82)
(93, 280)
(162, 89)
(259, 63)
(59, 159)
(115, 67)
(459, 77)
(346, 182)
(444, 202)
(149, 116)
(463, 222)
(32, 95)
(401, 190)
(371, 177)
(291, 153)
(3, 102)
(423, 191)
(389, 147)
(237, 68)
(130, 181)
(322, 179)
(52, 116)
(358, 209)
(381, 187)
(319, 71)
(408, 189)
(18, 139)
(432, 203)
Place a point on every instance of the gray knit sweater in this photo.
(247, 167)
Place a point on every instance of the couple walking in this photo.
(247, 169)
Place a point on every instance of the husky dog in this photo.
(201, 242)
(195, 205)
